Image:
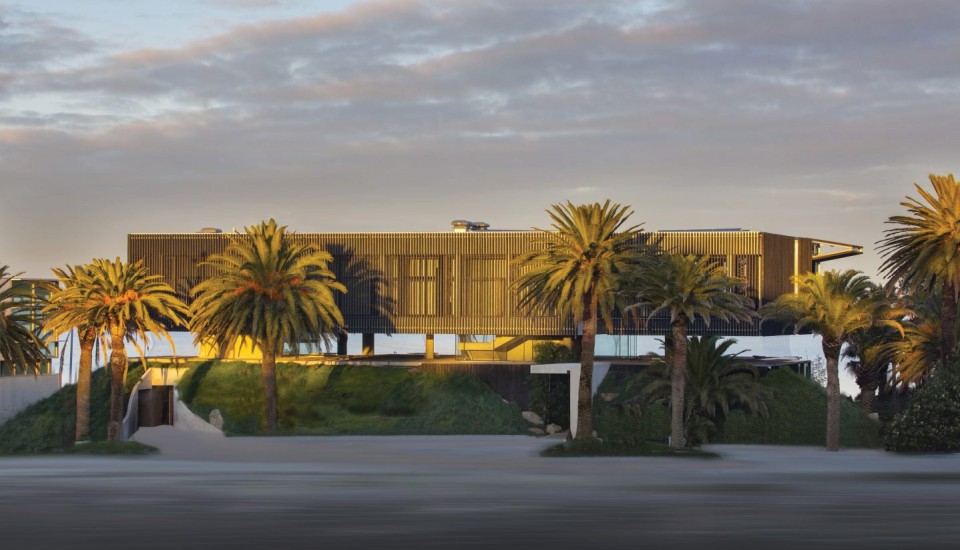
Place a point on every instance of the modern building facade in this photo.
(461, 282)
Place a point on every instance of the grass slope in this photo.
(49, 425)
(341, 400)
(798, 416)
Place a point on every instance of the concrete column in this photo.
(342, 344)
(428, 354)
(367, 343)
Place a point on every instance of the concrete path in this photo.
(476, 492)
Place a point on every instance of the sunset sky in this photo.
(809, 118)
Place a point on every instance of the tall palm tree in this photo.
(687, 287)
(131, 304)
(718, 382)
(575, 273)
(68, 310)
(922, 250)
(834, 305)
(20, 344)
(269, 291)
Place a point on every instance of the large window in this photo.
(421, 292)
(484, 286)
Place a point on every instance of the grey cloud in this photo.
(32, 42)
(404, 115)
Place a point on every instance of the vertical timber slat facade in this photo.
(462, 282)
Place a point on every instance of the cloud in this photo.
(403, 115)
(32, 42)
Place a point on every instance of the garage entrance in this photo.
(155, 407)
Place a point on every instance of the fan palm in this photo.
(575, 272)
(870, 351)
(20, 344)
(834, 305)
(717, 382)
(128, 304)
(269, 291)
(922, 250)
(68, 310)
(919, 350)
(687, 287)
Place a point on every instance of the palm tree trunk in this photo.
(831, 351)
(948, 321)
(268, 370)
(678, 380)
(87, 338)
(118, 372)
(588, 348)
(866, 399)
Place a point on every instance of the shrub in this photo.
(631, 423)
(931, 421)
(545, 353)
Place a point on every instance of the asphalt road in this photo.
(473, 492)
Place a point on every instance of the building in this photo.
(461, 282)
(32, 293)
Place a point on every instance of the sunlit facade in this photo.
(461, 282)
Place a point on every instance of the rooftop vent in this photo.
(462, 226)
(210, 230)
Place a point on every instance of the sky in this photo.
(807, 118)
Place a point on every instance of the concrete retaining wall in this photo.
(19, 392)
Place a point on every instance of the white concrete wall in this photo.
(19, 392)
(600, 371)
(183, 417)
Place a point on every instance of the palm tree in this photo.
(919, 350)
(718, 382)
(269, 291)
(922, 250)
(131, 304)
(834, 305)
(68, 310)
(870, 351)
(575, 273)
(20, 344)
(687, 287)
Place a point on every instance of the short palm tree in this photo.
(717, 382)
(66, 311)
(20, 344)
(834, 305)
(922, 250)
(686, 287)
(131, 304)
(871, 352)
(575, 273)
(269, 291)
(916, 354)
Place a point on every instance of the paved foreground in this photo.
(472, 492)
